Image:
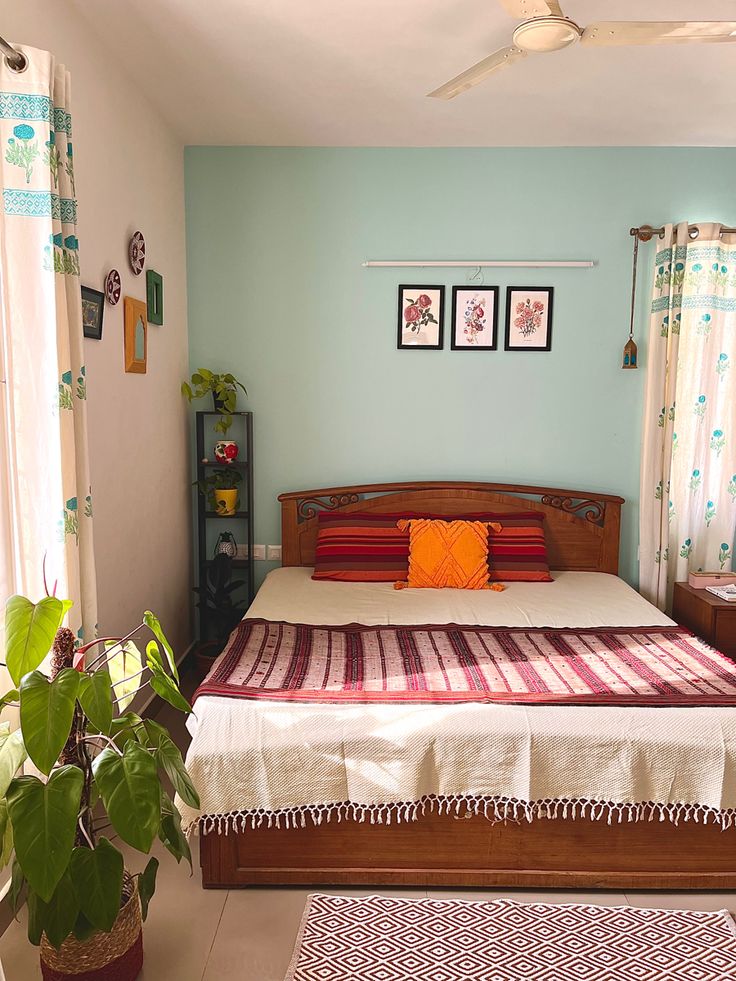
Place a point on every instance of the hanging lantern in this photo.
(630, 353)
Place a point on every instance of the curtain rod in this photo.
(479, 263)
(14, 59)
(646, 233)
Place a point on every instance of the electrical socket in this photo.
(273, 553)
(259, 552)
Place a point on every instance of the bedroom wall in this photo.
(277, 294)
(129, 175)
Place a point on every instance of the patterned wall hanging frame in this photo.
(155, 297)
(137, 253)
(112, 287)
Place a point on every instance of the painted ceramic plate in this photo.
(112, 287)
(137, 253)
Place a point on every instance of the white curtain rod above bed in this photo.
(479, 263)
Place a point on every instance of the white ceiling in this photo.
(356, 73)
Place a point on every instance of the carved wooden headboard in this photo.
(582, 530)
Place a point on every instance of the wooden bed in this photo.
(582, 532)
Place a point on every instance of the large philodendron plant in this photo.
(102, 769)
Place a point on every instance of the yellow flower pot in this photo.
(226, 501)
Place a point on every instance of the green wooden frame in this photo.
(155, 297)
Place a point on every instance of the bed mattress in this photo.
(263, 760)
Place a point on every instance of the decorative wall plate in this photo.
(137, 253)
(112, 287)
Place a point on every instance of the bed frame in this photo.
(582, 532)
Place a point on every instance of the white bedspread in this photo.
(251, 759)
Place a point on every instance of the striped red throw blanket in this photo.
(450, 663)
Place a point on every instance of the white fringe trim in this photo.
(462, 806)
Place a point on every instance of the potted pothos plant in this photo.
(224, 389)
(221, 489)
(102, 770)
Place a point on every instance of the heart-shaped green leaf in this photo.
(161, 682)
(61, 912)
(95, 697)
(9, 696)
(170, 832)
(97, 875)
(30, 629)
(44, 819)
(129, 788)
(124, 663)
(168, 757)
(147, 885)
(12, 754)
(83, 929)
(154, 625)
(46, 714)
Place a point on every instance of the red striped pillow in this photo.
(361, 547)
(368, 547)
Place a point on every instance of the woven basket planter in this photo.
(113, 956)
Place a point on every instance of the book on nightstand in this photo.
(727, 593)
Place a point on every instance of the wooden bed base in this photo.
(439, 850)
(582, 533)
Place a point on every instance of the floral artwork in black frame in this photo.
(421, 316)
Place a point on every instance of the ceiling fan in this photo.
(544, 28)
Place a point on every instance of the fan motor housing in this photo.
(545, 34)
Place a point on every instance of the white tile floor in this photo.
(193, 934)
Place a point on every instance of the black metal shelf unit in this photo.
(242, 432)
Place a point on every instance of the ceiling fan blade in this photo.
(526, 9)
(476, 74)
(659, 32)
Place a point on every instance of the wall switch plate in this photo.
(259, 551)
(273, 552)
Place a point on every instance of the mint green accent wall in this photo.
(277, 294)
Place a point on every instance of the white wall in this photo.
(129, 173)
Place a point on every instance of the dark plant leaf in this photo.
(44, 819)
(95, 697)
(46, 714)
(17, 881)
(147, 885)
(36, 917)
(83, 929)
(30, 629)
(170, 832)
(129, 787)
(6, 834)
(168, 757)
(97, 876)
(61, 912)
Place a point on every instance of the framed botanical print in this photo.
(93, 310)
(474, 318)
(529, 318)
(136, 335)
(421, 314)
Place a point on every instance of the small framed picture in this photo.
(155, 297)
(136, 336)
(529, 318)
(93, 307)
(474, 318)
(421, 314)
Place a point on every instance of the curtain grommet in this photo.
(17, 66)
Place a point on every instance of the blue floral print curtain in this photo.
(688, 474)
(45, 494)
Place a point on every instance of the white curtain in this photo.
(688, 473)
(45, 493)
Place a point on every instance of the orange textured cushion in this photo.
(447, 554)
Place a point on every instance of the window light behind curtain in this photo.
(688, 473)
(45, 493)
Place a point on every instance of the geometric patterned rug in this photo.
(342, 938)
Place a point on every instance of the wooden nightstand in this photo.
(707, 616)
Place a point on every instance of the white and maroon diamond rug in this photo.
(342, 938)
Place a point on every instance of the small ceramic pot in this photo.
(226, 501)
(226, 450)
